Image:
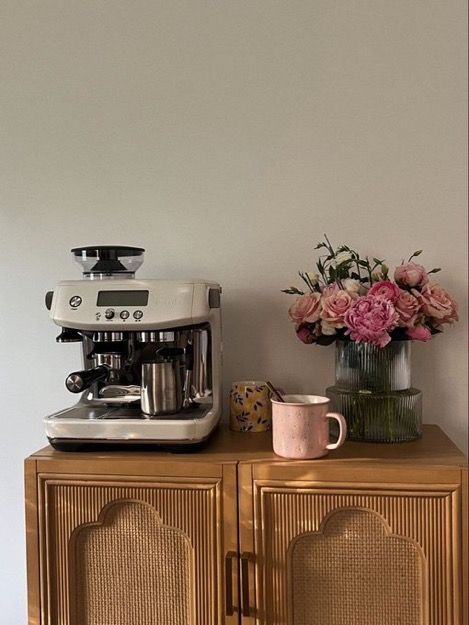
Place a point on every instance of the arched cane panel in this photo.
(130, 569)
(353, 571)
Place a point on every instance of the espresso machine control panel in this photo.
(131, 305)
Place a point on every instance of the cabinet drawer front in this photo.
(116, 552)
(344, 556)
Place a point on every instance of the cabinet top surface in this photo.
(434, 448)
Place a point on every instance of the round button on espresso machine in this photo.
(124, 314)
(75, 301)
(109, 314)
(138, 314)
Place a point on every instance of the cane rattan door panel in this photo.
(354, 571)
(126, 553)
(351, 557)
(130, 568)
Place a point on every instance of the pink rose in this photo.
(330, 289)
(334, 307)
(305, 332)
(386, 289)
(411, 274)
(306, 308)
(370, 319)
(419, 333)
(438, 304)
(407, 307)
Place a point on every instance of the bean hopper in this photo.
(151, 349)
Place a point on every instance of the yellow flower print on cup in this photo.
(250, 407)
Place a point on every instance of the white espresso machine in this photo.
(152, 350)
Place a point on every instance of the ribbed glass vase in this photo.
(373, 391)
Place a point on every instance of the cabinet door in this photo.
(326, 551)
(137, 550)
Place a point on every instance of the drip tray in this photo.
(100, 412)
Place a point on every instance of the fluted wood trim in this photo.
(464, 546)
(32, 542)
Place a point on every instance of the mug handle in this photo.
(342, 429)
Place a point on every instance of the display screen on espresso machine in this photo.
(122, 298)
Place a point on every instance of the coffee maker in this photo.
(152, 350)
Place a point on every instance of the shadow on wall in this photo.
(259, 343)
(432, 376)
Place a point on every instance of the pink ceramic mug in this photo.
(300, 426)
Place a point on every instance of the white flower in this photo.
(327, 328)
(313, 277)
(342, 257)
(351, 286)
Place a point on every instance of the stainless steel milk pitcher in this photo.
(161, 391)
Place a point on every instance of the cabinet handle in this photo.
(245, 602)
(229, 607)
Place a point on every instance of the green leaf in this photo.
(293, 291)
(436, 270)
(377, 261)
(329, 245)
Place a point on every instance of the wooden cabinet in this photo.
(117, 540)
(355, 547)
(372, 535)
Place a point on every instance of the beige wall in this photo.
(224, 137)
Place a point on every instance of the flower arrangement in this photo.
(350, 297)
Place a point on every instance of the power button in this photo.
(75, 301)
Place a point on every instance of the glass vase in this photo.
(373, 391)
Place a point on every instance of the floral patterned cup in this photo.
(250, 407)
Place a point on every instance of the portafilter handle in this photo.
(78, 381)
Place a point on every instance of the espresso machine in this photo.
(152, 350)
